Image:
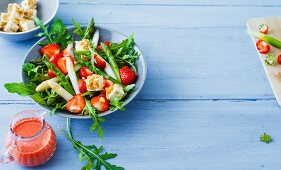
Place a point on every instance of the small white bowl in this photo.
(46, 11)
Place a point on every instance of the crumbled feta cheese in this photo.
(28, 4)
(15, 12)
(83, 45)
(11, 26)
(94, 82)
(30, 13)
(4, 17)
(26, 25)
(114, 92)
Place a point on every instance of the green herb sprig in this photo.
(94, 155)
(265, 138)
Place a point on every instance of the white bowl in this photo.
(46, 11)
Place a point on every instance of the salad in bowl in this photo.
(74, 72)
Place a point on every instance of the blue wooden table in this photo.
(206, 100)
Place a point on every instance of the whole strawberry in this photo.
(127, 75)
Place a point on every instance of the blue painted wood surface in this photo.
(206, 100)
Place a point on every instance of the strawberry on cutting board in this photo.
(127, 75)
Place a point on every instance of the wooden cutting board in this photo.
(273, 72)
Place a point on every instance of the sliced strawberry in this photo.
(76, 104)
(107, 83)
(62, 64)
(107, 43)
(264, 28)
(82, 86)
(50, 50)
(279, 59)
(100, 103)
(85, 72)
(127, 75)
(54, 59)
(100, 62)
(51, 74)
(262, 46)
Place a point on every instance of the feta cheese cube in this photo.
(30, 13)
(11, 26)
(26, 25)
(83, 45)
(28, 4)
(15, 12)
(94, 82)
(4, 17)
(114, 92)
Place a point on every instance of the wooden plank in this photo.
(181, 69)
(177, 2)
(165, 16)
(164, 134)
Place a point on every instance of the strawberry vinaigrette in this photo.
(31, 141)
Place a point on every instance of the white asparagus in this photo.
(61, 91)
(107, 69)
(44, 85)
(72, 75)
(95, 39)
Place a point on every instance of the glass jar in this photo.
(31, 141)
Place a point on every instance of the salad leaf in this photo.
(78, 31)
(38, 98)
(23, 89)
(94, 156)
(271, 59)
(96, 119)
(57, 35)
(112, 61)
(44, 29)
(89, 30)
(116, 104)
(35, 73)
(63, 81)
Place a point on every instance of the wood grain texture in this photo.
(186, 135)
(206, 100)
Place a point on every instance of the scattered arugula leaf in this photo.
(94, 156)
(265, 138)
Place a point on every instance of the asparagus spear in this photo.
(270, 40)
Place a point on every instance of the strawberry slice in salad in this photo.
(76, 104)
(50, 50)
(100, 103)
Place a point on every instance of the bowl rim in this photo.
(59, 113)
(35, 29)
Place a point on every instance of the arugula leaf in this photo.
(38, 98)
(35, 73)
(63, 81)
(44, 29)
(116, 104)
(265, 138)
(96, 119)
(23, 89)
(94, 156)
(57, 35)
(78, 31)
(89, 30)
